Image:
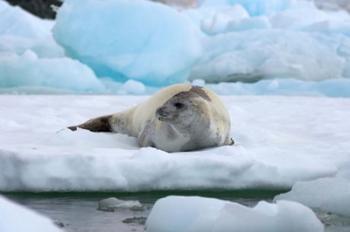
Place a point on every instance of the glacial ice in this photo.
(31, 59)
(21, 31)
(218, 41)
(300, 42)
(123, 39)
(191, 214)
(16, 218)
(57, 73)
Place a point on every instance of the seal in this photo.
(178, 118)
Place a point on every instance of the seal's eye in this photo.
(179, 105)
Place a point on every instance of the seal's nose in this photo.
(162, 112)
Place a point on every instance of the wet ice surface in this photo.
(78, 212)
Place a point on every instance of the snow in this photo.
(187, 214)
(16, 218)
(279, 141)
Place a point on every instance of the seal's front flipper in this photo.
(229, 141)
(100, 124)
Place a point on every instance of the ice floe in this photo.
(330, 194)
(16, 218)
(279, 141)
(187, 214)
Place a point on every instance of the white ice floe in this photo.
(279, 141)
(112, 204)
(16, 218)
(330, 194)
(192, 214)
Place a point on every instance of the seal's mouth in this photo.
(163, 118)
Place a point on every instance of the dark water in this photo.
(77, 212)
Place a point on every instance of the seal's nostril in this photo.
(162, 112)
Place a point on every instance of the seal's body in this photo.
(180, 117)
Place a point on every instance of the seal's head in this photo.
(184, 108)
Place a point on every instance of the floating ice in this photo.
(15, 21)
(328, 194)
(288, 40)
(231, 40)
(190, 214)
(279, 141)
(31, 59)
(247, 40)
(29, 71)
(20, 31)
(122, 39)
(111, 204)
(15, 218)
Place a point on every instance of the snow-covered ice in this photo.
(279, 141)
(16, 218)
(330, 194)
(191, 214)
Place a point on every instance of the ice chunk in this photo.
(275, 45)
(328, 194)
(15, 21)
(133, 87)
(254, 7)
(142, 40)
(111, 204)
(172, 214)
(20, 31)
(288, 87)
(220, 19)
(265, 54)
(29, 71)
(15, 218)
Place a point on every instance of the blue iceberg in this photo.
(124, 39)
